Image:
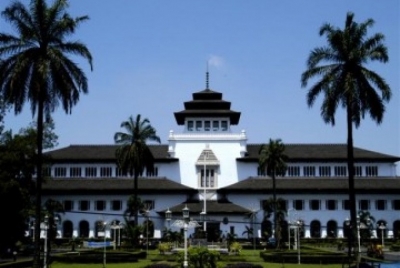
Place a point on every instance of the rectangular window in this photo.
(209, 180)
(298, 204)
(190, 125)
(68, 205)
(199, 125)
(309, 171)
(84, 205)
(90, 172)
(380, 204)
(371, 171)
(282, 205)
(75, 172)
(358, 171)
(293, 171)
(340, 171)
(60, 172)
(119, 173)
(331, 204)
(100, 205)
(346, 204)
(315, 204)
(116, 205)
(260, 171)
(152, 172)
(207, 125)
(215, 125)
(396, 204)
(47, 171)
(363, 204)
(232, 230)
(325, 171)
(224, 125)
(105, 171)
(148, 204)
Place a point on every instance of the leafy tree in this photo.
(17, 164)
(248, 232)
(345, 81)
(134, 156)
(272, 159)
(35, 68)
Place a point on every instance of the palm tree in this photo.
(35, 67)
(345, 81)
(53, 209)
(134, 156)
(276, 208)
(273, 160)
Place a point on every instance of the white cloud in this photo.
(215, 61)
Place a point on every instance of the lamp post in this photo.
(205, 194)
(358, 234)
(185, 224)
(146, 214)
(168, 215)
(298, 224)
(382, 227)
(45, 227)
(105, 245)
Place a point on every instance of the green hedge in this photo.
(97, 257)
(310, 258)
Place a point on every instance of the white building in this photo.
(85, 178)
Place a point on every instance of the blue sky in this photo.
(150, 56)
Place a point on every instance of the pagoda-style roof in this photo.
(295, 152)
(331, 185)
(114, 186)
(207, 103)
(101, 153)
(320, 152)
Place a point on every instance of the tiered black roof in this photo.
(207, 103)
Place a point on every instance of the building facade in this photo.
(214, 171)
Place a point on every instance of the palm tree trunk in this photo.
(38, 201)
(350, 167)
(136, 215)
(274, 202)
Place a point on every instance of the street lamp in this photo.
(358, 234)
(45, 227)
(168, 215)
(185, 224)
(298, 225)
(105, 245)
(146, 214)
(382, 227)
(205, 193)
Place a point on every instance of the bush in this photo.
(243, 265)
(159, 265)
(164, 247)
(235, 248)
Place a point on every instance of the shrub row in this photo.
(316, 258)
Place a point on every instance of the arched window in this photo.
(83, 229)
(331, 229)
(396, 229)
(266, 228)
(315, 229)
(68, 228)
(99, 229)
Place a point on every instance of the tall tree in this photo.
(133, 155)
(272, 159)
(345, 81)
(35, 68)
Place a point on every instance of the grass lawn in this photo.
(249, 255)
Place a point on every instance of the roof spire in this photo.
(207, 78)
